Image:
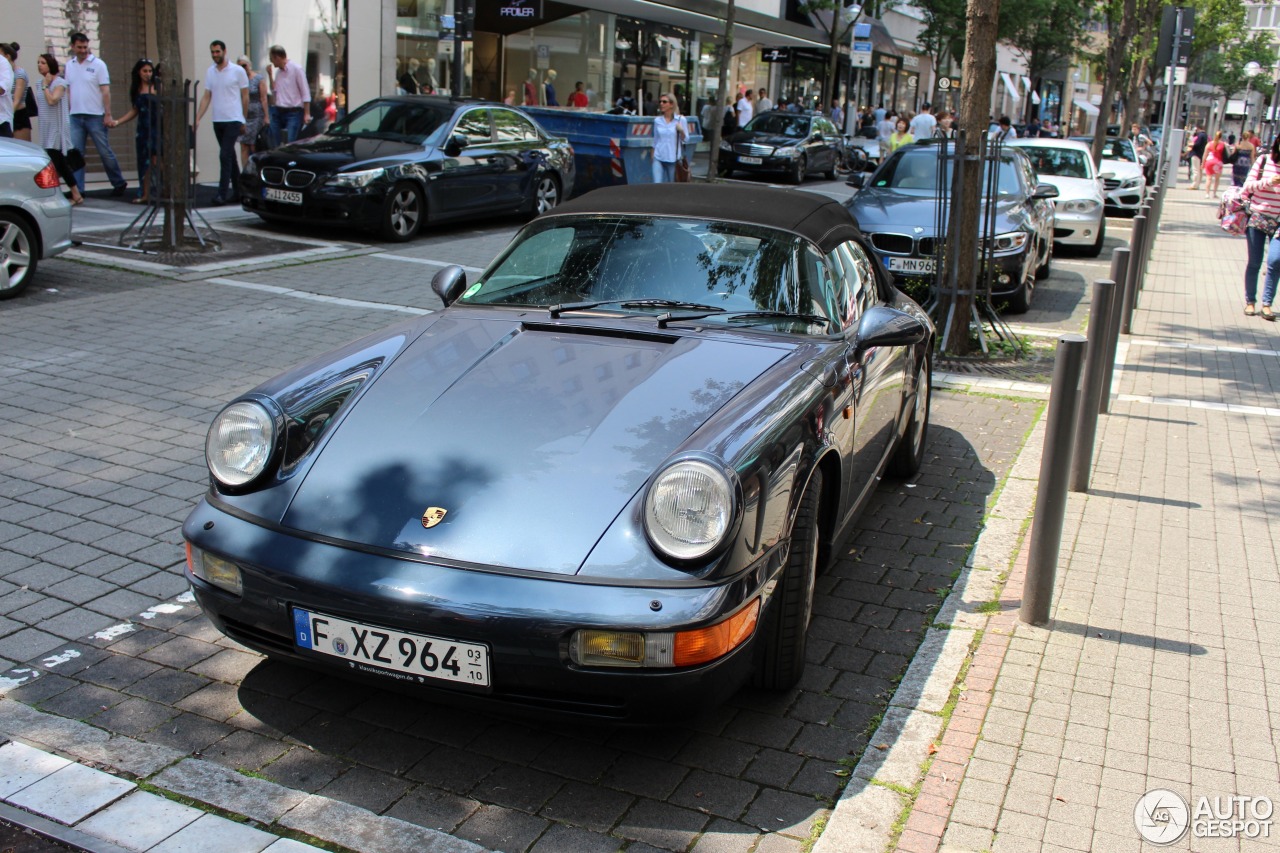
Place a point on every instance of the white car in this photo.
(1124, 182)
(1078, 218)
(35, 218)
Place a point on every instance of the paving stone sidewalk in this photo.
(1160, 669)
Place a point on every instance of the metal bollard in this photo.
(1141, 246)
(1095, 368)
(1153, 228)
(1055, 462)
(1131, 280)
(1119, 272)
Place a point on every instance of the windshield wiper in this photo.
(812, 319)
(556, 310)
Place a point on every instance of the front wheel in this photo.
(1096, 249)
(798, 170)
(18, 255)
(403, 212)
(908, 456)
(546, 195)
(784, 632)
(1019, 302)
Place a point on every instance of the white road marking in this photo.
(320, 297)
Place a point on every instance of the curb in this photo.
(864, 818)
(255, 802)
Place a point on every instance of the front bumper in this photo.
(1126, 198)
(1009, 274)
(1077, 229)
(771, 164)
(525, 621)
(360, 206)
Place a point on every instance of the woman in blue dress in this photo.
(146, 109)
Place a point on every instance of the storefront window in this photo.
(423, 58)
(314, 35)
(650, 59)
(541, 65)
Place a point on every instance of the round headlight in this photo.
(688, 509)
(239, 443)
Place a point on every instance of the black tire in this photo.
(403, 212)
(1019, 302)
(1043, 271)
(784, 634)
(546, 194)
(797, 171)
(19, 255)
(1096, 249)
(908, 456)
(830, 174)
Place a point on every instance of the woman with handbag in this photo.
(259, 115)
(670, 131)
(55, 121)
(1215, 155)
(1263, 191)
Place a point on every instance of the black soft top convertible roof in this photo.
(821, 220)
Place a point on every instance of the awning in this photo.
(1089, 109)
(881, 40)
(1026, 81)
(1010, 85)
(749, 28)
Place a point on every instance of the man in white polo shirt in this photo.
(226, 86)
(89, 87)
(6, 98)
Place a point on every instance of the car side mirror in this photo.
(857, 180)
(456, 142)
(1045, 191)
(882, 326)
(449, 284)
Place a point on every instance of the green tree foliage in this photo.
(1224, 68)
(1045, 32)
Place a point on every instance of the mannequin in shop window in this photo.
(531, 88)
(427, 79)
(409, 79)
(549, 88)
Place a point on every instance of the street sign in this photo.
(1168, 26)
(775, 54)
(861, 57)
(944, 83)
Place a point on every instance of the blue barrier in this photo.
(609, 150)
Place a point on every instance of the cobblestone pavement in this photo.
(109, 384)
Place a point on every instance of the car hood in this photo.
(531, 437)
(326, 153)
(773, 140)
(879, 210)
(1073, 189)
(1122, 169)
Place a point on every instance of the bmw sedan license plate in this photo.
(909, 265)
(286, 196)
(414, 655)
(751, 161)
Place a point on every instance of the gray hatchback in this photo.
(35, 218)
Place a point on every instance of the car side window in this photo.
(817, 287)
(513, 127)
(474, 126)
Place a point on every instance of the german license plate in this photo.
(286, 196)
(751, 161)
(368, 647)
(910, 265)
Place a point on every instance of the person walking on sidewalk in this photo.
(669, 133)
(55, 121)
(89, 82)
(1215, 155)
(226, 86)
(1263, 191)
(1199, 139)
(146, 109)
(292, 110)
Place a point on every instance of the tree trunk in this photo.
(1133, 111)
(1116, 49)
(979, 71)
(175, 163)
(717, 114)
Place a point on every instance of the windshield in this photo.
(919, 168)
(780, 124)
(1114, 149)
(399, 120)
(717, 269)
(1059, 162)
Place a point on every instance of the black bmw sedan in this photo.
(897, 207)
(396, 163)
(790, 144)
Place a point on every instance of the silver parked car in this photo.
(1078, 209)
(35, 217)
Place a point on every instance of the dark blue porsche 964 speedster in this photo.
(599, 483)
